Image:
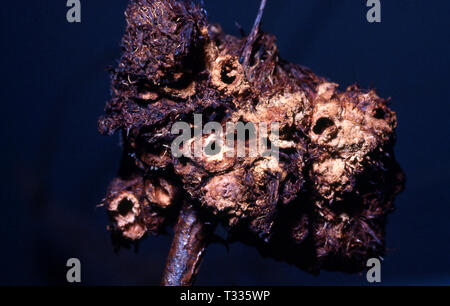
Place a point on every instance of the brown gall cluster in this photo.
(322, 204)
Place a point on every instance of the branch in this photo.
(247, 52)
(188, 247)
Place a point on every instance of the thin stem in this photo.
(246, 54)
(188, 247)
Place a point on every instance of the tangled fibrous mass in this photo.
(322, 204)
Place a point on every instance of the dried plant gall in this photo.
(323, 202)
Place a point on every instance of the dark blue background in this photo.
(55, 167)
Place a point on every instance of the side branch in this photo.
(247, 52)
